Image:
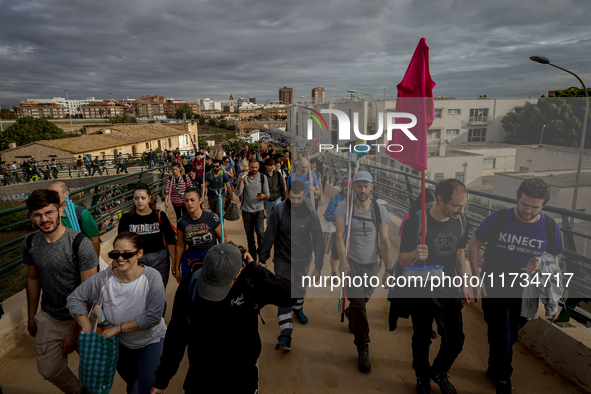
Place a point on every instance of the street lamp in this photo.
(68, 102)
(545, 60)
(367, 94)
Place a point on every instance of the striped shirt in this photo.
(177, 189)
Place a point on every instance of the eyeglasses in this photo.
(47, 214)
(126, 255)
(459, 207)
(527, 207)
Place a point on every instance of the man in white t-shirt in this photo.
(368, 243)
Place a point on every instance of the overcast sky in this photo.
(191, 49)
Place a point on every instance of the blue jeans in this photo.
(138, 366)
(269, 205)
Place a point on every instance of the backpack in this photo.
(171, 225)
(75, 245)
(376, 219)
(502, 215)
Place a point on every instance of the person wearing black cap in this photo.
(213, 304)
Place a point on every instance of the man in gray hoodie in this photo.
(293, 222)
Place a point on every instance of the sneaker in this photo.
(301, 318)
(363, 358)
(348, 315)
(424, 386)
(502, 386)
(444, 384)
(284, 344)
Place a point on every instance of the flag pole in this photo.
(423, 207)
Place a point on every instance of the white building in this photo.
(73, 107)
(208, 104)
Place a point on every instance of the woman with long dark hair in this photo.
(154, 228)
(197, 232)
(176, 184)
(133, 305)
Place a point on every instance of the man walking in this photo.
(303, 175)
(217, 182)
(445, 241)
(87, 164)
(58, 260)
(85, 219)
(96, 166)
(80, 166)
(254, 190)
(213, 304)
(276, 187)
(507, 252)
(368, 242)
(294, 229)
(121, 164)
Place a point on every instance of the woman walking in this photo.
(197, 232)
(132, 305)
(176, 184)
(154, 228)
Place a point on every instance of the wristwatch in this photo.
(390, 271)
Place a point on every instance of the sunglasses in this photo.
(126, 255)
(216, 167)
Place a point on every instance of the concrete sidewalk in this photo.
(323, 358)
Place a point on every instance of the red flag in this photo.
(415, 96)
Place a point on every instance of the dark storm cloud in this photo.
(195, 49)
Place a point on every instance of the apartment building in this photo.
(286, 95)
(208, 104)
(40, 110)
(317, 95)
(73, 107)
(103, 109)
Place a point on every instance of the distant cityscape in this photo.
(160, 107)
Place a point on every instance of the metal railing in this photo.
(399, 189)
(67, 168)
(16, 224)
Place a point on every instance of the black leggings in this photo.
(179, 210)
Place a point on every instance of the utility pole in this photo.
(68, 102)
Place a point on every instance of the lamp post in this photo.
(542, 136)
(68, 102)
(545, 60)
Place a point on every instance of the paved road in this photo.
(323, 358)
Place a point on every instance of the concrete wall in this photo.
(549, 158)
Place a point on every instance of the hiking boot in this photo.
(284, 344)
(444, 384)
(424, 386)
(348, 315)
(300, 317)
(363, 358)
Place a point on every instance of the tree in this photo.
(184, 109)
(560, 118)
(125, 118)
(27, 130)
(152, 121)
(224, 124)
(213, 122)
(7, 114)
(202, 120)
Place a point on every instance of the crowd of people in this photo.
(223, 286)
